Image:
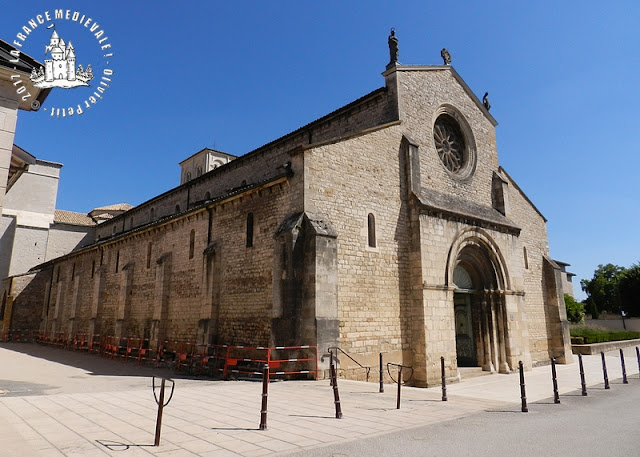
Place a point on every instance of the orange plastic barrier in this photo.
(207, 359)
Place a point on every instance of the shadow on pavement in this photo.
(94, 364)
(117, 446)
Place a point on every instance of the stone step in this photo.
(471, 372)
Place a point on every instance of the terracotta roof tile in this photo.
(116, 207)
(69, 217)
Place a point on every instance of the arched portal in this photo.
(478, 279)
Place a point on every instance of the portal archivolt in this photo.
(478, 277)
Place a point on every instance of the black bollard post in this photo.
(265, 394)
(584, 385)
(523, 393)
(604, 372)
(444, 380)
(336, 394)
(381, 376)
(556, 396)
(159, 417)
(624, 369)
(161, 404)
(399, 385)
(638, 356)
(330, 367)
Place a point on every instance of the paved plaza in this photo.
(61, 403)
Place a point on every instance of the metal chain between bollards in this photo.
(161, 404)
(399, 381)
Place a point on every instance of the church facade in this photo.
(386, 226)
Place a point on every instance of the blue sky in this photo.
(562, 78)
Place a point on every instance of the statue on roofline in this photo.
(393, 47)
(446, 57)
(485, 101)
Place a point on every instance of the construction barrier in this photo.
(282, 360)
(17, 336)
(213, 360)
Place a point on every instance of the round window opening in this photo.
(450, 143)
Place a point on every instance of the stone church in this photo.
(387, 226)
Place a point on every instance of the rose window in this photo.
(449, 143)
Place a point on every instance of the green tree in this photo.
(575, 310)
(603, 292)
(630, 290)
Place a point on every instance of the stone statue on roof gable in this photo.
(393, 47)
(446, 57)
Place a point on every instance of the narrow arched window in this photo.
(526, 260)
(117, 261)
(149, 246)
(250, 230)
(207, 196)
(192, 243)
(152, 214)
(371, 225)
(177, 209)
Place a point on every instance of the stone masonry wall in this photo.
(422, 93)
(23, 307)
(371, 110)
(346, 182)
(533, 239)
(245, 274)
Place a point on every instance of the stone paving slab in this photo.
(217, 418)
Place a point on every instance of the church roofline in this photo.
(347, 137)
(455, 74)
(522, 192)
(202, 206)
(318, 121)
(432, 200)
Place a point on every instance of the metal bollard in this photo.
(265, 394)
(523, 393)
(624, 369)
(381, 376)
(399, 385)
(604, 372)
(638, 356)
(444, 380)
(584, 385)
(556, 396)
(161, 405)
(336, 394)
